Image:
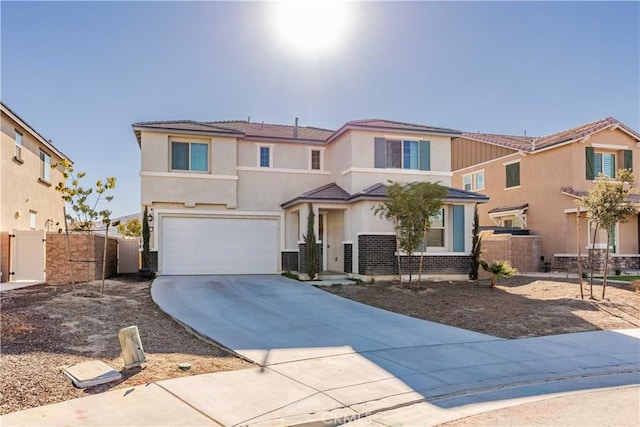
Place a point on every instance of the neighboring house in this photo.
(29, 203)
(232, 197)
(534, 182)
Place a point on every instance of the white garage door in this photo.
(219, 246)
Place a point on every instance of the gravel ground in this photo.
(45, 327)
(519, 307)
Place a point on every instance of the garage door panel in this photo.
(219, 246)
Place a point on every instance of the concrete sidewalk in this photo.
(326, 360)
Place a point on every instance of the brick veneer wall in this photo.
(522, 252)
(58, 268)
(622, 262)
(377, 255)
(302, 258)
(289, 260)
(348, 258)
(4, 256)
(153, 260)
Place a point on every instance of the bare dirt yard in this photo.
(45, 327)
(518, 307)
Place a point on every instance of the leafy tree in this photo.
(84, 202)
(476, 245)
(607, 204)
(131, 228)
(312, 247)
(498, 270)
(410, 208)
(146, 234)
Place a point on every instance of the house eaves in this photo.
(47, 143)
(189, 127)
(391, 126)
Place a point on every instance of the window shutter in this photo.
(513, 175)
(628, 159)
(425, 155)
(380, 153)
(589, 154)
(458, 228)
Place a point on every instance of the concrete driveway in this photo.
(340, 358)
(328, 361)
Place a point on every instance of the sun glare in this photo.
(311, 27)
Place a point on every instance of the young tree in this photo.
(476, 245)
(312, 247)
(410, 207)
(84, 203)
(607, 204)
(498, 270)
(146, 234)
(131, 228)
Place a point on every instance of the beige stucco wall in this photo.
(20, 189)
(353, 160)
(542, 175)
(159, 185)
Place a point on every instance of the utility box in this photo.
(132, 350)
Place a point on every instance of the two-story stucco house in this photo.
(29, 204)
(233, 197)
(533, 183)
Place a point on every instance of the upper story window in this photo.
(45, 166)
(190, 156)
(402, 154)
(606, 162)
(18, 144)
(473, 181)
(265, 156)
(316, 159)
(512, 171)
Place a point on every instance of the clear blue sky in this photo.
(82, 72)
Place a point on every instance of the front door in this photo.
(28, 255)
(334, 232)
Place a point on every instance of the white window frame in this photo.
(189, 141)
(33, 219)
(511, 162)
(614, 155)
(473, 176)
(402, 141)
(446, 226)
(271, 150)
(603, 245)
(45, 166)
(321, 151)
(19, 137)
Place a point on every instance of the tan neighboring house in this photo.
(533, 183)
(29, 204)
(233, 197)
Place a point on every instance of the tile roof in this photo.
(327, 193)
(509, 208)
(393, 125)
(569, 191)
(334, 193)
(266, 130)
(189, 125)
(529, 144)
